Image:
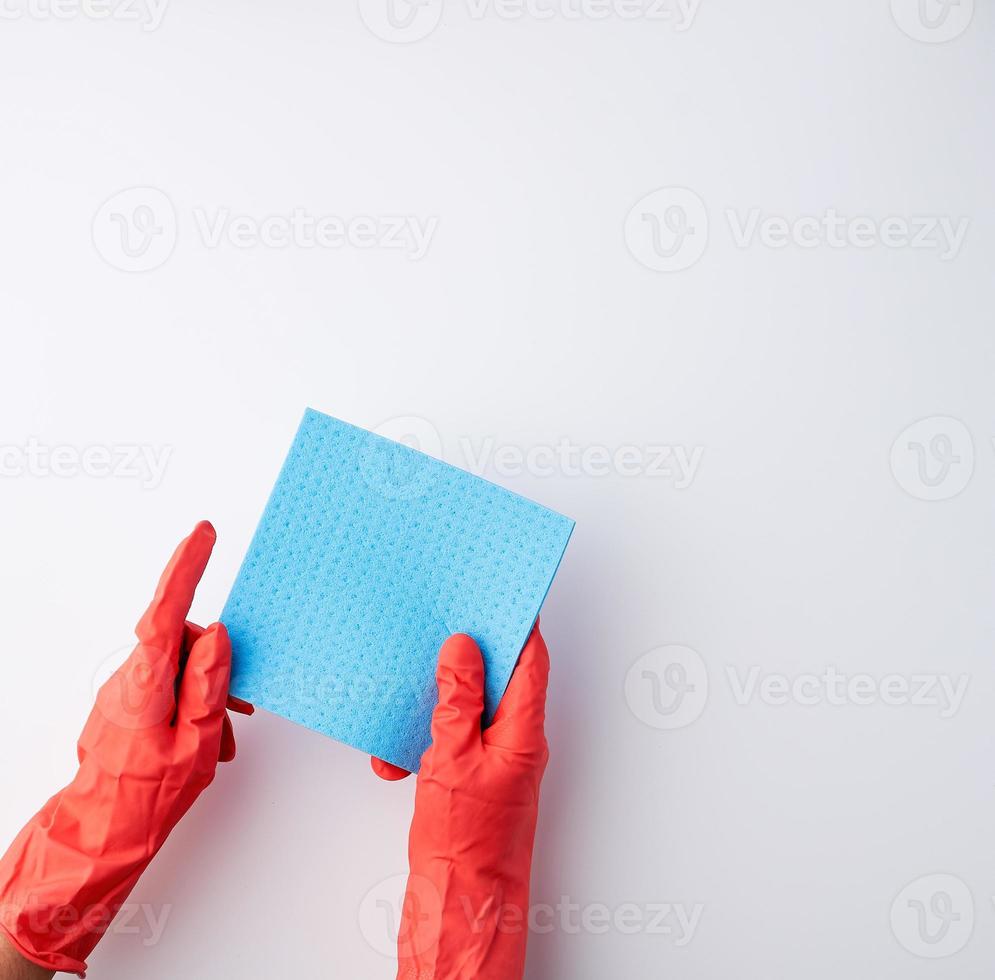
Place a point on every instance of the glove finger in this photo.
(161, 628)
(460, 676)
(388, 771)
(240, 706)
(227, 752)
(141, 694)
(519, 722)
(204, 685)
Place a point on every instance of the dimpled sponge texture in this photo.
(368, 555)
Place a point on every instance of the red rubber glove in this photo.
(149, 747)
(465, 914)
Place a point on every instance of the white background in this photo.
(806, 539)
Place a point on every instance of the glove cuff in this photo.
(48, 961)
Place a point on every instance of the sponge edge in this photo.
(368, 555)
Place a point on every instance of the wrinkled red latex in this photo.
(150, 746)
(465, 914)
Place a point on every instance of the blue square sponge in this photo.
(368, 555)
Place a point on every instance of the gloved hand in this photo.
(149, 747)
(465, 914)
